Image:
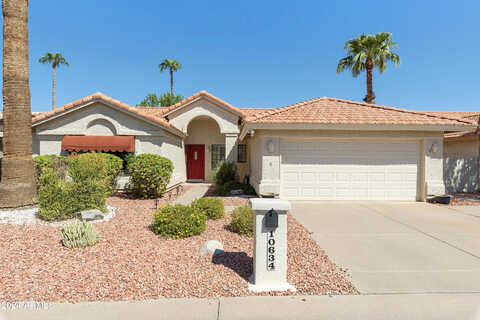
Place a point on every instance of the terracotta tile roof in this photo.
(250, 112)
(205, 94)
(102, 97)
(338, 111)
(464, 115)
(154, 111)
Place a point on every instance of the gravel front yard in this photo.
(465, 199)
(131, 263)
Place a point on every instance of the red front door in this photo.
(195, 161)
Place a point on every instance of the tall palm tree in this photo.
(172, 66)
(56, 60)
(17, 187)
(367, 52)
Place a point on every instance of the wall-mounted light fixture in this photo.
(434, 148)
(270, 146)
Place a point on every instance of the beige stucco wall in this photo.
(169, 147)
(226, 120)
(205, 131)
(461, 171)
(461, 148)
(255, 161)
(265, 165)
(78, 122)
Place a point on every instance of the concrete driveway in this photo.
(398, 247)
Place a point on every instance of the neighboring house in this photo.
(324, 148)
(461, 155)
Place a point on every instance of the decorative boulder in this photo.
(212, 247)
(92, 214)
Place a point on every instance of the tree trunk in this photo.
(370, 97)
(53, 86)
(17, 187)
(171, 81)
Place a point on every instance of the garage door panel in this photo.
(349, 171)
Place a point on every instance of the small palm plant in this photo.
(56, 60)
(367, 52)
(172, 66)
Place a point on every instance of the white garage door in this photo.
(335, 170)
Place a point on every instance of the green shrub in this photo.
(79, 235)
(242, 221)
(86, 166)
(129, 157)
(150, 175)
(99, 166)
(52, 161)
(113, 166)
(212, 207)
(224, 190)
(179, 221)
(59, 199)
(225, 172)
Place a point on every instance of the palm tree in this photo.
(171, 65)
(17, 187)
(367, 52)
(56, 60)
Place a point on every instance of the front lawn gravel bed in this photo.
(465, 199)
(130, 262)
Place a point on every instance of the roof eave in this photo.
(205, 95)
(362, 127)
(170, 129)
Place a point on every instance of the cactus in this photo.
(79, 235)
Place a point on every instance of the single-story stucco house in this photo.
(320, 149)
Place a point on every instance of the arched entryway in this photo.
(205, 148)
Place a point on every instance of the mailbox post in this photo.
(270, 247)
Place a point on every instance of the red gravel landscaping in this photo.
(131, 263)
(465, 199)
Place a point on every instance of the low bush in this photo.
(99, 166)
(225, 172)
(129, 157)
(150, 175)
(242, 221)
(212, 207)
(79, 235)
(113, 166)
(224, 190)
(59, 199)
(52, 161)
(179, 221)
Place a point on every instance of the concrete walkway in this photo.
(399, 247)
(196, 191)
(372, 307)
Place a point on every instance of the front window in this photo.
(242, 153)
(218, 154)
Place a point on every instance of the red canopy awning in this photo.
(98, 143)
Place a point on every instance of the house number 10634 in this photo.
(270, 251)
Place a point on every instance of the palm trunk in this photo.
(17, 187)
(53, 86)
(370, 97)
(171, 81)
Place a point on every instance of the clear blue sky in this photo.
(255, 53)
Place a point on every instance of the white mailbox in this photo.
(270, 248)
